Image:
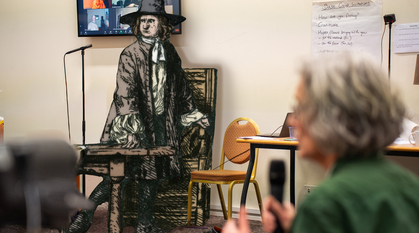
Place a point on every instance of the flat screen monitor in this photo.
(102, 17)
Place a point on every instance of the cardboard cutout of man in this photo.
(152, 96)
(151, 99)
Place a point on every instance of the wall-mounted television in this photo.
(101, 17)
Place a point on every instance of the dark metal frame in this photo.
(81, 11)
(253, 147)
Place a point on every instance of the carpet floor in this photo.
(100, 222)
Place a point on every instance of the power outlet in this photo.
(308, 189)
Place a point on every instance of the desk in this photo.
(407, 150)
(101, 160)
(282, 143)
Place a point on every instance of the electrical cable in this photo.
(382, 39)
(66, 98)
(231, 159)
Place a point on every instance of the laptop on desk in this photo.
(284, 130)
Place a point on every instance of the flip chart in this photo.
(347, 25)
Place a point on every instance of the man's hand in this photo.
(243, 224)
(274, 210)
(203, 122)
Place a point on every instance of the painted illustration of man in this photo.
(152, 99)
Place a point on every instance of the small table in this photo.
(286, 144)
(101, 160)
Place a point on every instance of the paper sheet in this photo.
(406, 38)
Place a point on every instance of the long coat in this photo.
(133, 94)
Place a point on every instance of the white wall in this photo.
(255, 45)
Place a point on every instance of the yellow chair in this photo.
(238, 128)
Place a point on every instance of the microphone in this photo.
(81, 48)
(277, 180)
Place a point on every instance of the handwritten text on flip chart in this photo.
(347, 25)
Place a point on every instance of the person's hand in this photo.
(203, 122)
(132, 142)
(274, 210)
(241, 227)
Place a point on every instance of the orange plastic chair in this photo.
(238, 128)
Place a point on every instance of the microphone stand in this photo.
(389, 19)
(389, 48)
(83, 123)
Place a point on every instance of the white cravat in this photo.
(157, 54)
(159, 82)
(158, 73)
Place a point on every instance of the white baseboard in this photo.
(252, 214)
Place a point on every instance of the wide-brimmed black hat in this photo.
(152, 7)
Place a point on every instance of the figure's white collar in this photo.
(157, 54)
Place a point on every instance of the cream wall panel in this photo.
(255, 45)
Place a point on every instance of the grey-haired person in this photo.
(346, 114)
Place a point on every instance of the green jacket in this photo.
(362, 196)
